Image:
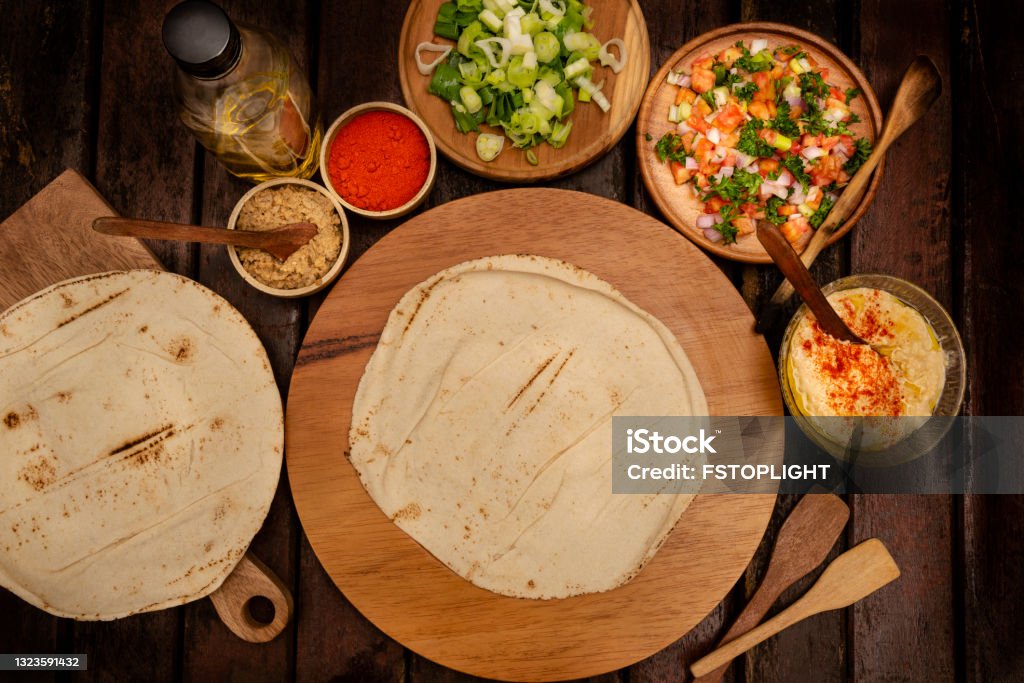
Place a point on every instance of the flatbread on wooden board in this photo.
(141, 440)
(482, 424)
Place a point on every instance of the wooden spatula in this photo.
(803, 543)
(853, 575)
(279, 242)
(920, 87)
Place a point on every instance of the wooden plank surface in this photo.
(988, 137)
(36, 145)
(908, 234)
(102, 74)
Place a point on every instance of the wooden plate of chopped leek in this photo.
(524, 96)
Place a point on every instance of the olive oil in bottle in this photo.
(242, 94)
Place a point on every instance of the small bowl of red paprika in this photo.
(379, 160)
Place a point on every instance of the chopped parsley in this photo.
(819, 216)
(860, 155)
(783, 123)
(771, 211)
(726, 229)
(746, 92)
(852, 93)
(762, 61)
(741, 187)
(750, 144)
(812, 88)
(795, 165)
(670, 148)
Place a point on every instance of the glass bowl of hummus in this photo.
(886, 402)
(315, 264)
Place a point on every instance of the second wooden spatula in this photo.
(803, 543)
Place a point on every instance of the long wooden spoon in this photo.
(853, 575)
(803, 543)
(279, 242)
(796, 272)
(919, 88)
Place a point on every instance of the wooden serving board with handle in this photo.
(593, 132)
(50, 239)
(401, 587)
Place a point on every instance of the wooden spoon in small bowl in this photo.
(279, 242)
(796, 273)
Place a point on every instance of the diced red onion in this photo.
(813, 152)
(705, 220)
(727, 171)
(691, 164)
(713, 235)
(684, 82)
(758, 45)
(714, 136)
(752, 167)
(683, 127)
(794, 101)
(785, 179)
(798, 196)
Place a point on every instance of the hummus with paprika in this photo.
(904, 377)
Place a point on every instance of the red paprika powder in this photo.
(378, 161)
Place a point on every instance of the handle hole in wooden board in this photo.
(261, 609)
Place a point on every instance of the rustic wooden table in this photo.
(87, 85)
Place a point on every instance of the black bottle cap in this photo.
(202, 39)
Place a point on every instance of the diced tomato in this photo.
(795, 228)
(743, 224)
(702, 61)
(782, 55)
(826, 171)
(702, 107)
(846, 144)
(828, 143)
(787, 210)
(702, 80)
(767, 166)
(765, 87)
(809, 140)
(836, 93)
(703, 150)
(729, 160)
(731, 140)
(759, 110)
(814, 196)
(679, 172)
(794, 147)
(685, 95)
(749, 209)
(702, 181)
(729, 55)
(727, 120)
(697, 122)
(832, 104)
(714, 204)
(687, 140)
(777, 71)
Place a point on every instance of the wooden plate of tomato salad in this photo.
(702, 150)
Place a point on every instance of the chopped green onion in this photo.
(531, 157)
(489, 146)
(547, 47)
(470, 99)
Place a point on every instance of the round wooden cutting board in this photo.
(593, 132)
(412, 596)
(678, 203)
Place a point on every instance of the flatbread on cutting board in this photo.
(482, 424)
(141, 440)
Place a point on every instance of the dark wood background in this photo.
(87, 85)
